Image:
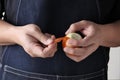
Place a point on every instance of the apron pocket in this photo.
(11, 73)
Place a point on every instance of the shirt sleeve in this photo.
(1, 8)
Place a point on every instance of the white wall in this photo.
(114, 64)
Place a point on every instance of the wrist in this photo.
(13, 34)
(107, 35)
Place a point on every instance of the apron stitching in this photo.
(18, 11)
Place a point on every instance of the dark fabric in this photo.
(116, 11)
(16, 74)
(110, 10)
(55, 17)
(1, 7)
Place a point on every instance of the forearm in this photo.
(6, 33)
(111, 34)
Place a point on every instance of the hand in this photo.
(34, 42)
(91, 41)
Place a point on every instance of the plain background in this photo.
(114, 64)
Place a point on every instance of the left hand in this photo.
(93, 37)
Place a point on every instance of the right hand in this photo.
(92, 38)
(34, 42)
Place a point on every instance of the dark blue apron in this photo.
(54, 17)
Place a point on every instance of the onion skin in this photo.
(75, 36)
(64, 39)
(59, 39)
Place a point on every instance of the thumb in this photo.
(78, 26)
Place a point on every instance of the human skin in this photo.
(95, 35)
(31, 38)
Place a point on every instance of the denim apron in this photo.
(54, 17)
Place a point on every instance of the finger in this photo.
(86, 41)
(86, 52)
(35, 50)
(89, 50)
(78, 26)
(34, 31)
(50, 50)
(72, 43)
(75, 51)
(45, 39)
(74, 58)
(50, 36)
(38, 51)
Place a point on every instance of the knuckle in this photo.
(28, 50)
(77, 60)
(51, 55)
(33, 28)
(46, 55)
(72, 26)
(42, 55)
(84, 21)
(73, 51)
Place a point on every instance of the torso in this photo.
(55, 17)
